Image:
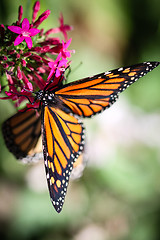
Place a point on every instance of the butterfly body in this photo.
(60, 124)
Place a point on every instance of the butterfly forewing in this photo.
(89, 96)
(62, 144)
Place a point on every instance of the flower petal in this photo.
(67, 28)
(51, 73)
(63, 62)
(18, 40)
(58, 73)
(15, 29)
(61, 20)
(33, 31)
(53, 30)
(25, 24)
(29, 42)
(68, 43)
(51, 64)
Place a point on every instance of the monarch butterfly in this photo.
(61, 127)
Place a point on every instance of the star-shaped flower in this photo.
(65, 52)
(25, 33)
(64, 28)
(57, 67)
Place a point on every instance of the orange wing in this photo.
(89, 96)
(62, 144)
(21, 133)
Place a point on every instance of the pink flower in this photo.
(65, 52)
(25, 33)
(64, 28)
(57, 67)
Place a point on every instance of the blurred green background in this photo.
(118, 195)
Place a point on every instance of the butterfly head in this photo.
(45, 97)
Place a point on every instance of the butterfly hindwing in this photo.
(62, 143)
(89, 96)
(21, 132)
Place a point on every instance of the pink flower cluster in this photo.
(31, 57)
